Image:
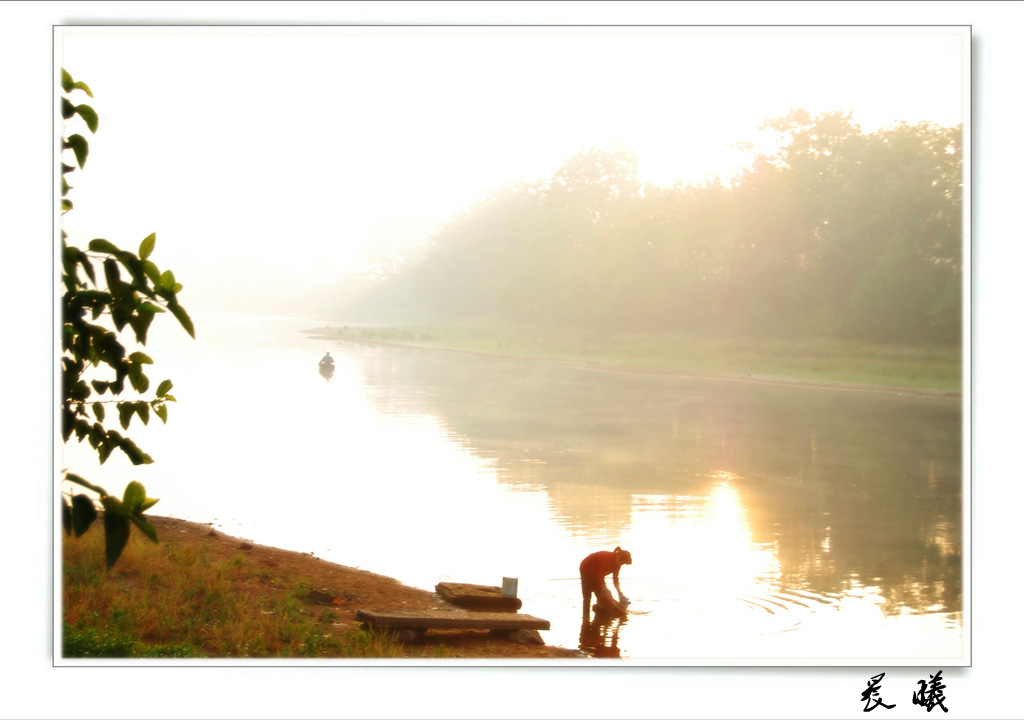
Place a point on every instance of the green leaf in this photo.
(134, 495)
(112, 272)
(152, 271)
(124, 413)
(67, 108)
(67, 423)
(66, 205)
(142, 410)
(164, 388)
(68, 336)
(113, 506)
(89, 115)
(147, 504)
(167, 280)
(186, 322)
(161, 412)
(68, 83)
(78, 480)
(82, 429)
(140, 357)
(117, 530)
(133, 451)
(104, 449)
(145, 526)
(134, 266)
(79, 391)
(103, 246)
(83, 513)
(80, 146)
(140, 324)
(66, 515)
(120, 316)
(147, 245)
(99, 411)
(112, 352)
(86, 264)
(138, 378)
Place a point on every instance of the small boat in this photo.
(326, 370)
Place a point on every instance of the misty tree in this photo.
(476, 264)
(591, 208)
(833, 233)
(108, 293)
(910, 285)
(592, 180)
(872, 239)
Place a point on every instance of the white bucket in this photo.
(509, 587)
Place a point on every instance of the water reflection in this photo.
(784, 505)
(765, 522)
(599, 636)
(818, 486)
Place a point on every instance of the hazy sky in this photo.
(266, 158)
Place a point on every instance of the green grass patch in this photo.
(103, 642)
(176, 601)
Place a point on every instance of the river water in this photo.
(768, 524)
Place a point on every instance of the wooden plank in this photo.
(471, 596)
(452, 620)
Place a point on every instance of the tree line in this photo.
(835, 232)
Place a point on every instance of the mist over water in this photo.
(767, 523)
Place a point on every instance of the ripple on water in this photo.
(785, 610)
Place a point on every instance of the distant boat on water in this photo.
(327, 367)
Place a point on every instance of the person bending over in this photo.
(593, 570)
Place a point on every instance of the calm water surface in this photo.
(768, 524)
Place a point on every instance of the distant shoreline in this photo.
(323, 334)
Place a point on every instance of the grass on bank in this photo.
(799, 360)
(176, 601)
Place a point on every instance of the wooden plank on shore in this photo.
(483, 597)
(452, 620)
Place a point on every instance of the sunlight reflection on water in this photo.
(416, 465)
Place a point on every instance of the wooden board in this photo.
(483, 597)
(452, 619)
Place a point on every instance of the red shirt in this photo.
(599, 564)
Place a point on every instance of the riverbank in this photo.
(807, 363)
(199, 593)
